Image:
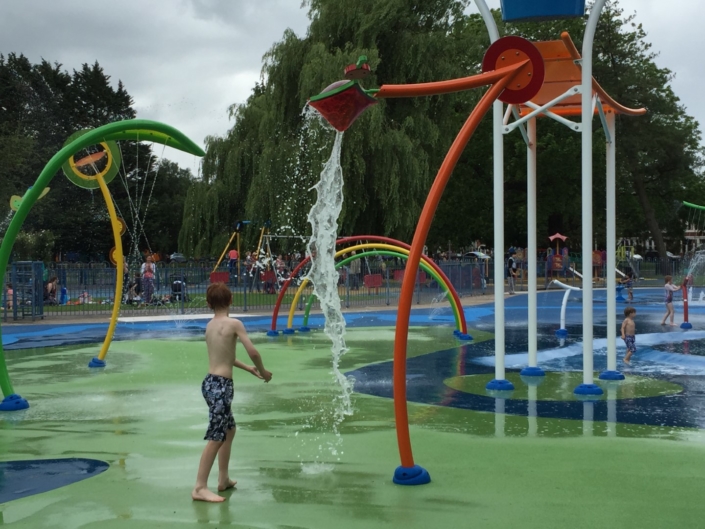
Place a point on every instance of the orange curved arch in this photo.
(457, 309)
(375, 238)
(604, 96)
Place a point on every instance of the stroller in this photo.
(178, 290)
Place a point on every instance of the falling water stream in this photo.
(323, 218)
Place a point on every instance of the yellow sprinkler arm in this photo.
(119, 263)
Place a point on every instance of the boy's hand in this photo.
(266, 375)
(254, 371)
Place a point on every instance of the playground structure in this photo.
(105, 136)
(550, 79)
(379, 246)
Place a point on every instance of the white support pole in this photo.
(532, 241)
(499, 372)
(499, 382)
(532, 412)
(588, 387)
(611, 411)
(611, 164)
(532, 250)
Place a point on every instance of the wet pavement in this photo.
(631, 459)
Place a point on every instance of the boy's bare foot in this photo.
(626, 361)
(203, 494)
(673, 325)
(229, 484)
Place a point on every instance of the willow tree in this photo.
(265, 166)
(263, 169)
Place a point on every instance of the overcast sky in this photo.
(185, 61)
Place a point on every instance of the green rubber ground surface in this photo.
(145, 416)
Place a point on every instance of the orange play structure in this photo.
(531, 79)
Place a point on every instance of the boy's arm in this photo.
(624, 324)
(245, 367)
(251, 350)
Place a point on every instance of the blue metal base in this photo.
(532, 372)
(272, 333)
(463, 336)
(457, 332)
(289, 330)
(13, 403)
(588, 389)
(686, 325)
(621, 298)
(562, 333)
(499, 385)
(533, 381)
(415, 475)
(611, 375)
(304, 329)
(96, 362)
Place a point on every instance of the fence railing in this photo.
(88, 290)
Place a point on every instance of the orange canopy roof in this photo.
(562, 74)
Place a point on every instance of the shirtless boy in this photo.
(222, 333)
(629, 332)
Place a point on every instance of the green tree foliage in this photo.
(265, 166)
(41, 105)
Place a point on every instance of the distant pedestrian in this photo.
(628, 282)
(669, 288)
(629, 332)
(511, 270)
(148, 279)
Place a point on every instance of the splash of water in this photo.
(437, 311)
(6, 222)
(323, 218)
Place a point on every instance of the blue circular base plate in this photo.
(620, 298)
(611, 375)
(533, 381)
(272, 333)
(499, 385)
(588, 389)
(13, 402)
(457, 332)
(532, 372)
(415, 475)
(96, 362)
(289, 331)
(686, 325)
(304, 329)
(463, 336)
(562, 333)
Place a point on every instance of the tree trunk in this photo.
(651, 222)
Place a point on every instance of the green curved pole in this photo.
(695, 206)
(133, 129)
(423, 265)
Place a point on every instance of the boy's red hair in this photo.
(218, 296)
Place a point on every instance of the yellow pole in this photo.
(119, 263)
(259, 244)
(226, 249)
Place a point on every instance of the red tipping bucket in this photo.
(341, 103)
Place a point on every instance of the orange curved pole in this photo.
(412, 264)
(452, 85)
(604, 96)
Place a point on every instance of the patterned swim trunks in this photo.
(218, 392)
(631, 343)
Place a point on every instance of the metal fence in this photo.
(86, 290)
